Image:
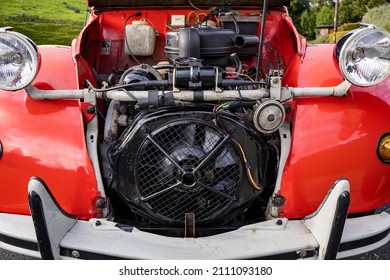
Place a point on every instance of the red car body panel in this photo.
(46, 139)
(335, 138)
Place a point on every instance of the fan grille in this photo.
(188, 167)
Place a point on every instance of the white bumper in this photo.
(274, 239)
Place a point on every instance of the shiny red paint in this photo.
(46, 139)
(335, 137)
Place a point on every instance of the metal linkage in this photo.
(192, 95)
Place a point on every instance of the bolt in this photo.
(123, 109)
(279, 222)
(75, 254)
(90, 109)
(271, 118)
(287, 108)
(145, 130)
(275, 81)
(232, 130)
(100, 203)
(303, 254)
(98, 223)
(278, 201)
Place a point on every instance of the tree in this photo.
(307, 14)
(308, 24)
(297, 7)
(353, 10)
(325, 15)
(318, 4)
(347, 13)
(376, 3)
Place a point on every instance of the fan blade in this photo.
(225, 158)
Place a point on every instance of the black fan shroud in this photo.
(172, 163)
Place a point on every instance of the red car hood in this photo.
(208, 3)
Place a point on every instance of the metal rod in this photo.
(212, 152)
(214, 190)
(261, 42)
(335, 20)
(158, 146)
(161, 192)
(339, 90)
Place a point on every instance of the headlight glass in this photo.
(19, 60)
(364, 58)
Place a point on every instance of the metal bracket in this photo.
(189, 225)
(217, 89)
(89, 111)
(285, 137)
(276, 85)
(92, 143)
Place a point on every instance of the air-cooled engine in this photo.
(171, 165)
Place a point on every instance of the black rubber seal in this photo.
(338, 226)
(67, 252)
(198, 96)
(28, 245)
(40, 226)
(364, 242)
(53, 198)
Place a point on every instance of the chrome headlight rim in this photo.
(347, 45)
(32, 52)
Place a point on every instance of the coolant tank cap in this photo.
(139, 22)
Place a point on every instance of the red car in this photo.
(181, 131)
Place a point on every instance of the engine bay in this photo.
(202, 165)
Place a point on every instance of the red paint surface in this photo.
(336, 137)
(46, 139)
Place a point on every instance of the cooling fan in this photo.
(178, 163)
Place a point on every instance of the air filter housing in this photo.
(211, 44)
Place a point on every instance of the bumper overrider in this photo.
(50, 233)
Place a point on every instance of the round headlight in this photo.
(364, 58)
(19, 60)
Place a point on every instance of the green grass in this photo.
(44, 21)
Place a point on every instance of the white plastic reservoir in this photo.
(140, 38)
